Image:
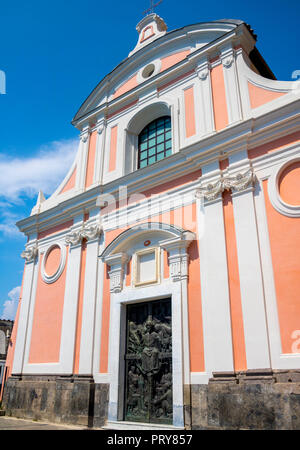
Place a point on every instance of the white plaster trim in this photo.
(176, 198)
(217, 336)
(200, 377)
(99, 155)
(278, 359)
(44, 368)
(102, 378)
(98, 320)
(52, 278)
(88, 308)
(31, 314)
(69, 322)
(250, 274)
(205, 109)
(231, 85)
(24, 325)
(68, 327)
(274, 125)
(273, 190)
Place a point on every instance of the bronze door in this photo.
(148, 363)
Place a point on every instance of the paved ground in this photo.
(10, 423)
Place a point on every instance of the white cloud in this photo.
(45, 171)
(8, 221)
(22, 178)
(10, 306)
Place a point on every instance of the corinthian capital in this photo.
(240, 181)
(210, 191)
(30, 253)
(73, 238)
(88, 232)
(91, 232)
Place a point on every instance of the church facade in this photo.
(161, 281)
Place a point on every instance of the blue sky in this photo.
(53, 54)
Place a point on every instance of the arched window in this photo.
(155, 142)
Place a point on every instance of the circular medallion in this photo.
(288, 184)
(53, 262)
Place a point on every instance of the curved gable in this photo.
(169, 49)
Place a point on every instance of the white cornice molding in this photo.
(152, 53)
(228, 141)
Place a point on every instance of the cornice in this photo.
(189, 62)
(246, 134)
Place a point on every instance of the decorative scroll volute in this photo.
(116, 263)
(235, 183)
(30, 253)
(88, 232)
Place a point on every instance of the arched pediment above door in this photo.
(173, 239)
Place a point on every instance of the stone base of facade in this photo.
(70, 399)
(254, 399)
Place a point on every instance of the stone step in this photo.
(122, 425)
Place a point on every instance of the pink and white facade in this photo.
(218, 218)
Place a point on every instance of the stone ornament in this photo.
(210, 191)
(116, 280)
(203, 74)
(30, 253)
(227, 62)
(240, 181)
(88, 232)
(91, 232)
(178, 255)
(179, 266)
(236, 183)
(100, 128)
(73, 238)
(116, 274)
(84, 137)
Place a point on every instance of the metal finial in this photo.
(152, 6)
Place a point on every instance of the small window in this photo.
(155, 142)
(148, 71)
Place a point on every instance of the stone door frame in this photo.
(117, 343)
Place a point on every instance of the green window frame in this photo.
(155, 142)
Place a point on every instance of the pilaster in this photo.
(218, 350)
(250, 271)
(231, 85)
(29, 283)
(206, 113)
